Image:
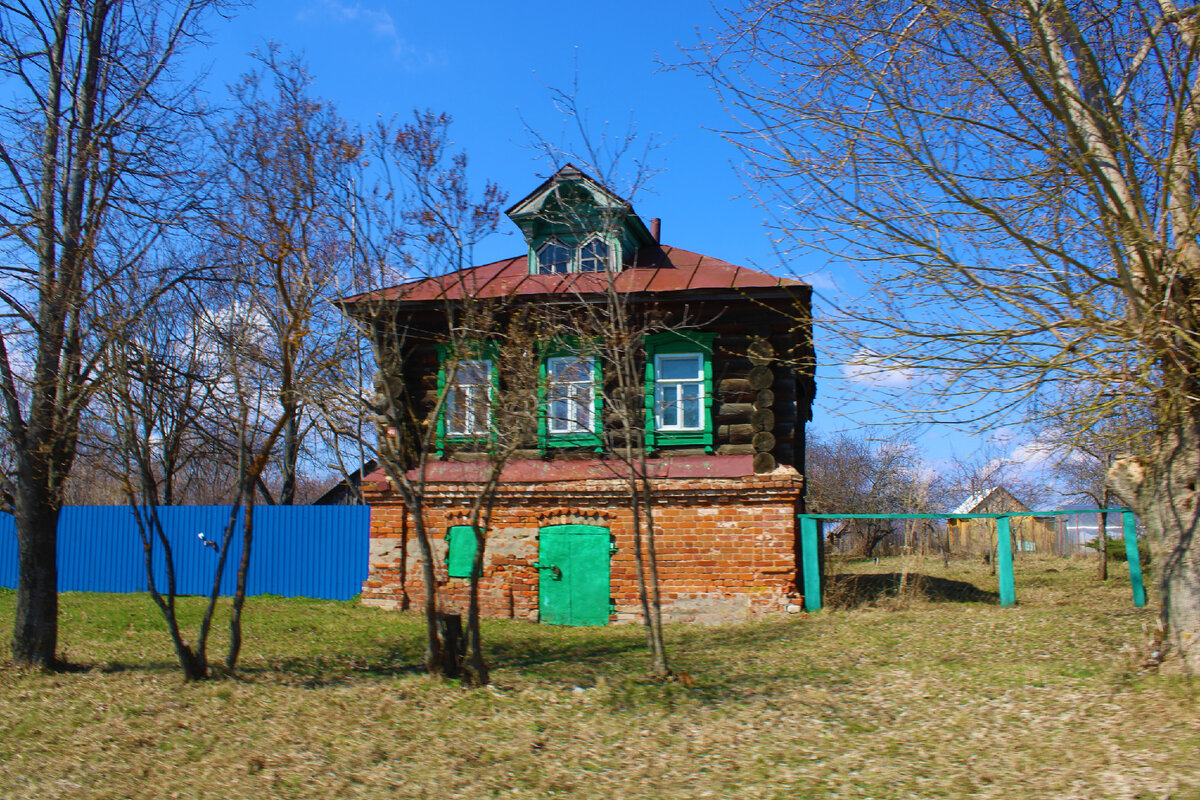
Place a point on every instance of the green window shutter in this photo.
(460, 551)
(679, 342)
(442, 353)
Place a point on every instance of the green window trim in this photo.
(473, 351)
(461, 547)
(679, 342)
(594, 438)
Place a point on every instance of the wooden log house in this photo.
(727, 359)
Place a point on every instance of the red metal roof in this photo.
(660, 269)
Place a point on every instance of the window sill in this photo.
(571, 440)
(668, 438)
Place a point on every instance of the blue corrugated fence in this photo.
(298, 551)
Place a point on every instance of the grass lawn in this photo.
(902, 697)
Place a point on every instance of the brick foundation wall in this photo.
(726, 547)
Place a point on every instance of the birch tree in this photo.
(1019, 179)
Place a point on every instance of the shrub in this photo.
(1116, 549)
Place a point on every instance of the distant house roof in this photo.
(983, 498)
(346, 491)
(657, 270)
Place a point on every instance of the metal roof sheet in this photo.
(658, 269)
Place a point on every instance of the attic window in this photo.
(593, 256)
(553, 259)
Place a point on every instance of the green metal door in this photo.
(573, 568)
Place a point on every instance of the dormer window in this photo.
(593, 256)
(554, 259)
(574, 224)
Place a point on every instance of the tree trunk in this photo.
(291, 455)
(1163, 492)
(239, 596)
(35, 632)
(476, 667)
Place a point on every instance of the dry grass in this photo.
(900, 697)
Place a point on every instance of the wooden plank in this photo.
(735, 390)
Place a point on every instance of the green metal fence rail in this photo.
(810, 537)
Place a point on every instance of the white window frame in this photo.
(570, 262)
(604, 260)
(579, 394)
(470, 394)
(669, 393)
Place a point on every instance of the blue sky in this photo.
(490, 66)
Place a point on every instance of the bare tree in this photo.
(853, 475)
(92, 176)
(283, 228)
(1081, 458)
(1021, 177)
(422, 217)
(148, 413)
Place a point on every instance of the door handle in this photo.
(556, 573)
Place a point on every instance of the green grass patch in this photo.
(900, 694)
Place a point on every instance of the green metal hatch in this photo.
(573, 575)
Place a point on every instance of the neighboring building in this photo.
(727, 392)
(1030, 534)
(347, 491)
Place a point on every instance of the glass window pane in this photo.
(680, 391)
(455, 411)
(574, 370)
(682, 367)
(570, 394)
(472, 373)
(593, 256)
(468, 398)
(668, 410)
(691, 408)
(559, 415)
(553, 259)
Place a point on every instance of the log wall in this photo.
(762, 390)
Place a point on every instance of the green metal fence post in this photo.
(1004, 562)
(1129, 531)
(810, 553)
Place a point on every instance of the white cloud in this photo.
(872, 369)
(378, 21)
(1032, 455)
(822, 280)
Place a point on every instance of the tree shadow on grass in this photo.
(852, 590)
